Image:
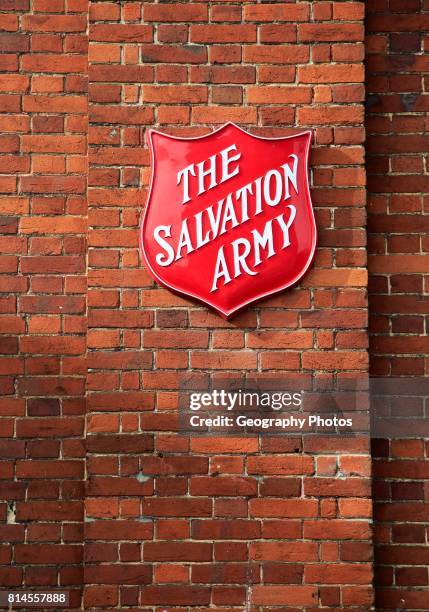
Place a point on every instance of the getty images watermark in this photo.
(240, 400)
(378, 407)
(270, 406)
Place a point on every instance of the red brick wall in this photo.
(174, 521)
(397, 62)
(43, 127)
(170, 521)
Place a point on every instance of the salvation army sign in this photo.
(229, 218)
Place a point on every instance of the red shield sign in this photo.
(229, 218)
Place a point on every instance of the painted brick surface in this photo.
(397, 65)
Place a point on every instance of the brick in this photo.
(52, 345)
(337, 319)
(171, 573)
(120, 73)
(118, 530)
(280, 551)
(14, 83)
(276, 74)
(337, 73)
(222, 573)
(119, 278)
(120, 574)
(176, 595)
(175, 93)
(277, 12)
(52, 304)
(223, 114)
(278, 340)
(276, 54)
(278, 33)
(70, 104)
(290, 508)
(288, 465)
(225, 529)
(341, 573)
(117, 443)
(177, 551)
(187, 54)
(400, 263)
(104, 12)
(14, 42)
(49, 469)
(226, 13)
(224, 445)
(54, 23)
(50, 427)
(222, 33)
(171, 12)
(94, 596)
(9, 62)
(328, 487)
(165, 339)
(52, 264)
(223, 74)
(124, 33)
(52, 144)
(52, 63)
(41, 553)
(276, 595)
(180, 507)
(335, 114)
(281, 487)
(40, 184)
(9, 23)
(127, 116)
(276, 94)
(330, 32)
(353, 11)
(216, 360)
(336, 530)
(12, 5)
(223, 485)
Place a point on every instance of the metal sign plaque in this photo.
(229, 218)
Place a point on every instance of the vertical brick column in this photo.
(43, 290)
(229, 522)
(397, 68)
